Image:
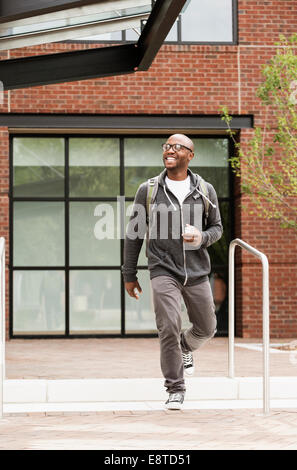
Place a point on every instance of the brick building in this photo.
(65, 148)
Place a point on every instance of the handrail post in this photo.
(231, 312)
(266, 346)
(2, 322)
(265, 318)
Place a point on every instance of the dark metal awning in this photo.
(24, 23)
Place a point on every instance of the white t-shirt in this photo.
(179, 188)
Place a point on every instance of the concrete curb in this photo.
(74, 408)
(49, 392)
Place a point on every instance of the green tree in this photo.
(267, 164)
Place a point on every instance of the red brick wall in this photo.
(261, 22)
(193, 79)
(4, 207)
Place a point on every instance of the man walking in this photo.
(181, 211)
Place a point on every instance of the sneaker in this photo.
(175, 401)
(188, 363)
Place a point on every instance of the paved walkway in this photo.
(134, 358)
(198, 429)
(133, 430)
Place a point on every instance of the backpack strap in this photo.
(204, 190)
(152, 188)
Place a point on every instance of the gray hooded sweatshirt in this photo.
(168, 254)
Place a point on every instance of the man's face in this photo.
(178, 159)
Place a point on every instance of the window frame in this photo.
(179, 40)
(67, 200)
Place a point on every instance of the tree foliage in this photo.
(267, 164)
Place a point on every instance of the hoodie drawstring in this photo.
(203, 195)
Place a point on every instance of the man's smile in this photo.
(170, 159)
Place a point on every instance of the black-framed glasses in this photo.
(176, 147)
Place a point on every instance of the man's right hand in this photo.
(132, 288)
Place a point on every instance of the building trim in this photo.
(126, 122)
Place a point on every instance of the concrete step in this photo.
(143, 393)
(88, 407)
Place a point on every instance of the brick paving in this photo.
(130, 358)
(133, 430)
(153, 430)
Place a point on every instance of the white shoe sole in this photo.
(173, 406)
(189, 371)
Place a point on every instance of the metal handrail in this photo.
(265, 319)
(2, 321)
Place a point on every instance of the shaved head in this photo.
(182, 139)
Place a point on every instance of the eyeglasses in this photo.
(176, 147)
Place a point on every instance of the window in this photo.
(200, 21)
(207, 21)
(66, 279)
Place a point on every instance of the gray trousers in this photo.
(167, 293)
